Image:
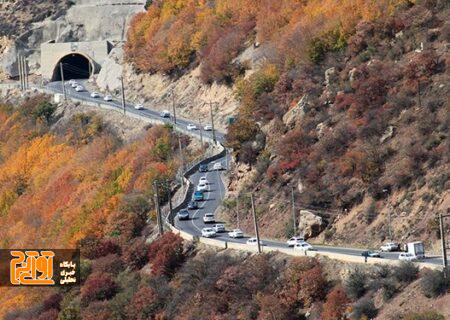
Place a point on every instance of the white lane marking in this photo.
(196, 211)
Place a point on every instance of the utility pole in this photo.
(181, 157)
(170, 203)
(123, 95)
(158, 210)
(19, 67)
(293, 211)
(444, 249)
(174, 111)
(255, 220)
(25, 67)
(389, 225)
(212, 122)
(62, 80)
(201, 132)
(237, 212)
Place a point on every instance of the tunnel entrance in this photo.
(74, 66)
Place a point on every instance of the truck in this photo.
(416, 248)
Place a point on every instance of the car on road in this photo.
(294, 240)
(209, 218)
(207, 127)
(165, 114)
(193, 205)
(203, 168)
(107, 98)
(208, 232)
(79, 89)
(254, 241)
(389, 246)
(95, 95)
(217, 166)
(303, 246)
(191, 127)
(407, 256)
(183, 214)
(139, 106)
(199, 196)
(236, 233)
(371, 254)
(219, 227)
(74, 84)
(203, 180)
(202, 186)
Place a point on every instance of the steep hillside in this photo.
(348, 104)
(66, 176)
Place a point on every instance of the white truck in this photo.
(416, 248)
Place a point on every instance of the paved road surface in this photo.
(216, 191)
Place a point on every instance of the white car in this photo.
(236, 233)
(202, 186)
(208, 232)
(79, 88)
(203, 180)
(303, 246)
(217, 166)
(209, 218)
(165, 114)
(191, 127)
(407, 256)
(390, 246)
(95, 95)
(107, 98)
(253, 241)
(219, 227)
(73, 84)
(139, 106)
(294, 240)
(207, 128)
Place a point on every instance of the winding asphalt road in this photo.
(216, 192)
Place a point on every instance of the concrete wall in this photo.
(52, 53)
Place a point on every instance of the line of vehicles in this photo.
(139, 106)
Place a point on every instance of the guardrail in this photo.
(228, 244)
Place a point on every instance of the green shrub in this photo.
(434, 284)
(407, 272)
(364, 308)
(355, 285)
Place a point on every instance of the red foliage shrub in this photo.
(50, 314)
(143, 305)
(335, 305)
(98, 287)
(166, 254)
(93, 248)
(136, 254)
(305, 281)
(111, 263)
(52, 302)
(97, 310)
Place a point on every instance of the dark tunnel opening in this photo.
(74, 66)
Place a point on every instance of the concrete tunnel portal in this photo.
(74, 66)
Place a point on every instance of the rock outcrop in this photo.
(310, 224)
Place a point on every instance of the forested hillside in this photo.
(348, 104)
(59, 187)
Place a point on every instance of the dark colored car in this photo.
(183, 214)
(192, 205)
(199, 196)
(203, 168)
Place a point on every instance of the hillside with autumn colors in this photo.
(60, 185)
(347, 102)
